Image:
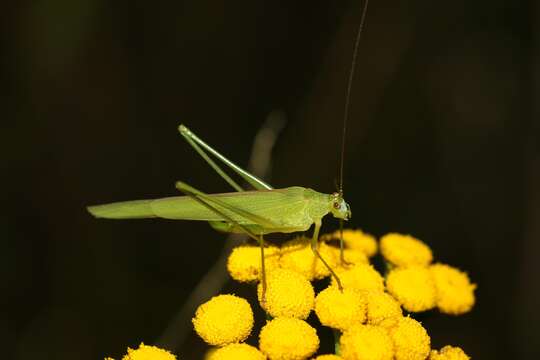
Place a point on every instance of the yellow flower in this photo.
(340, 309)
(360, 277)
(223, 319)
(380, 306)
(411, 340)
(455, 293)
(355, 240)
(145, 352)
(413, 287)
(244, 263)
(236, 352)
(366, 342)
(297, 255)
(405, 250)
(328, 357)
(288, 339)
(448, 353)
(288, 294)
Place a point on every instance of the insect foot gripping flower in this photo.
(236, 352)
(297, 255)
(455, 293)
(340, 309)
(413, 287)
(288, 294)
(411, 340)
(405, 250)
(145, 352)
(366, 342)
(380, 306)
(355, 240)
(288, 339)
(224, 319)
(360, 277)
(351, 256)
(244, 263)
(448, 353)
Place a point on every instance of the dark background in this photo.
(442, 143)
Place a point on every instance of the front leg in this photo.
(315, 249)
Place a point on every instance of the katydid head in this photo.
(339, 208)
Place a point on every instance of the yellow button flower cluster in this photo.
(366, 315)
(419, 285)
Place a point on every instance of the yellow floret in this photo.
(288, 339)
(236, 352)
(244, 263)
(288, 294)
(366, 342)
(328, 357)
(405, 250)
(355, 240)
(413, 287)
(360, 277)
(448, 353)
(455, 293)
(351, 257)
(411, 340)
(297, 255)
(224, 319)
(340, 309)
(380, 306)
(146, 352)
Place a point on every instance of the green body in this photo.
(287, 210)
(262, 211)
(258, 212)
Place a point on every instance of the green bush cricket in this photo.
(256, 213)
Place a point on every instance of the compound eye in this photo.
(336, 205)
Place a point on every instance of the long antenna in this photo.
(348, 96)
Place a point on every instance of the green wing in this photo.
(134, 209)
(287, 208)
